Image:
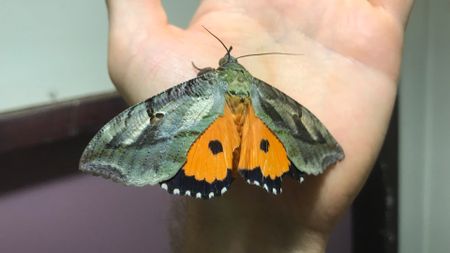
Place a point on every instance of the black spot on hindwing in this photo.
(215, 146)
(264, 145)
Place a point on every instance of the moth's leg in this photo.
(202, 71)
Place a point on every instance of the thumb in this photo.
(128, 17)
(131, 24)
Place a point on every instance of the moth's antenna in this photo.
(217, 38)
(268, 53)
(247, 55)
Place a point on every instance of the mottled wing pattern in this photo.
(309, 145)
(148, 142)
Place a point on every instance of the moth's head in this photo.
(228, 59)
(230, 62)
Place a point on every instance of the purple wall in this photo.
(90, 214)
(84, 214)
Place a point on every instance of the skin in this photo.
(346, 75)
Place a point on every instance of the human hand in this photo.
(346, 75)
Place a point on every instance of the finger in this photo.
(129, 15)
(399, 8)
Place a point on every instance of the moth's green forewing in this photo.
(148, 142)
(309, 145)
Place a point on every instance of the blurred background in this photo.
(55, 93)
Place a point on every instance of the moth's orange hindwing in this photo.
(209, 161)
(263, 159)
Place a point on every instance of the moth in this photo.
(194, 138)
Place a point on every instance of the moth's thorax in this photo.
(239, 81)
(227, 59)
(237, 77)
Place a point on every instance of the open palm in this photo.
(346, 75)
